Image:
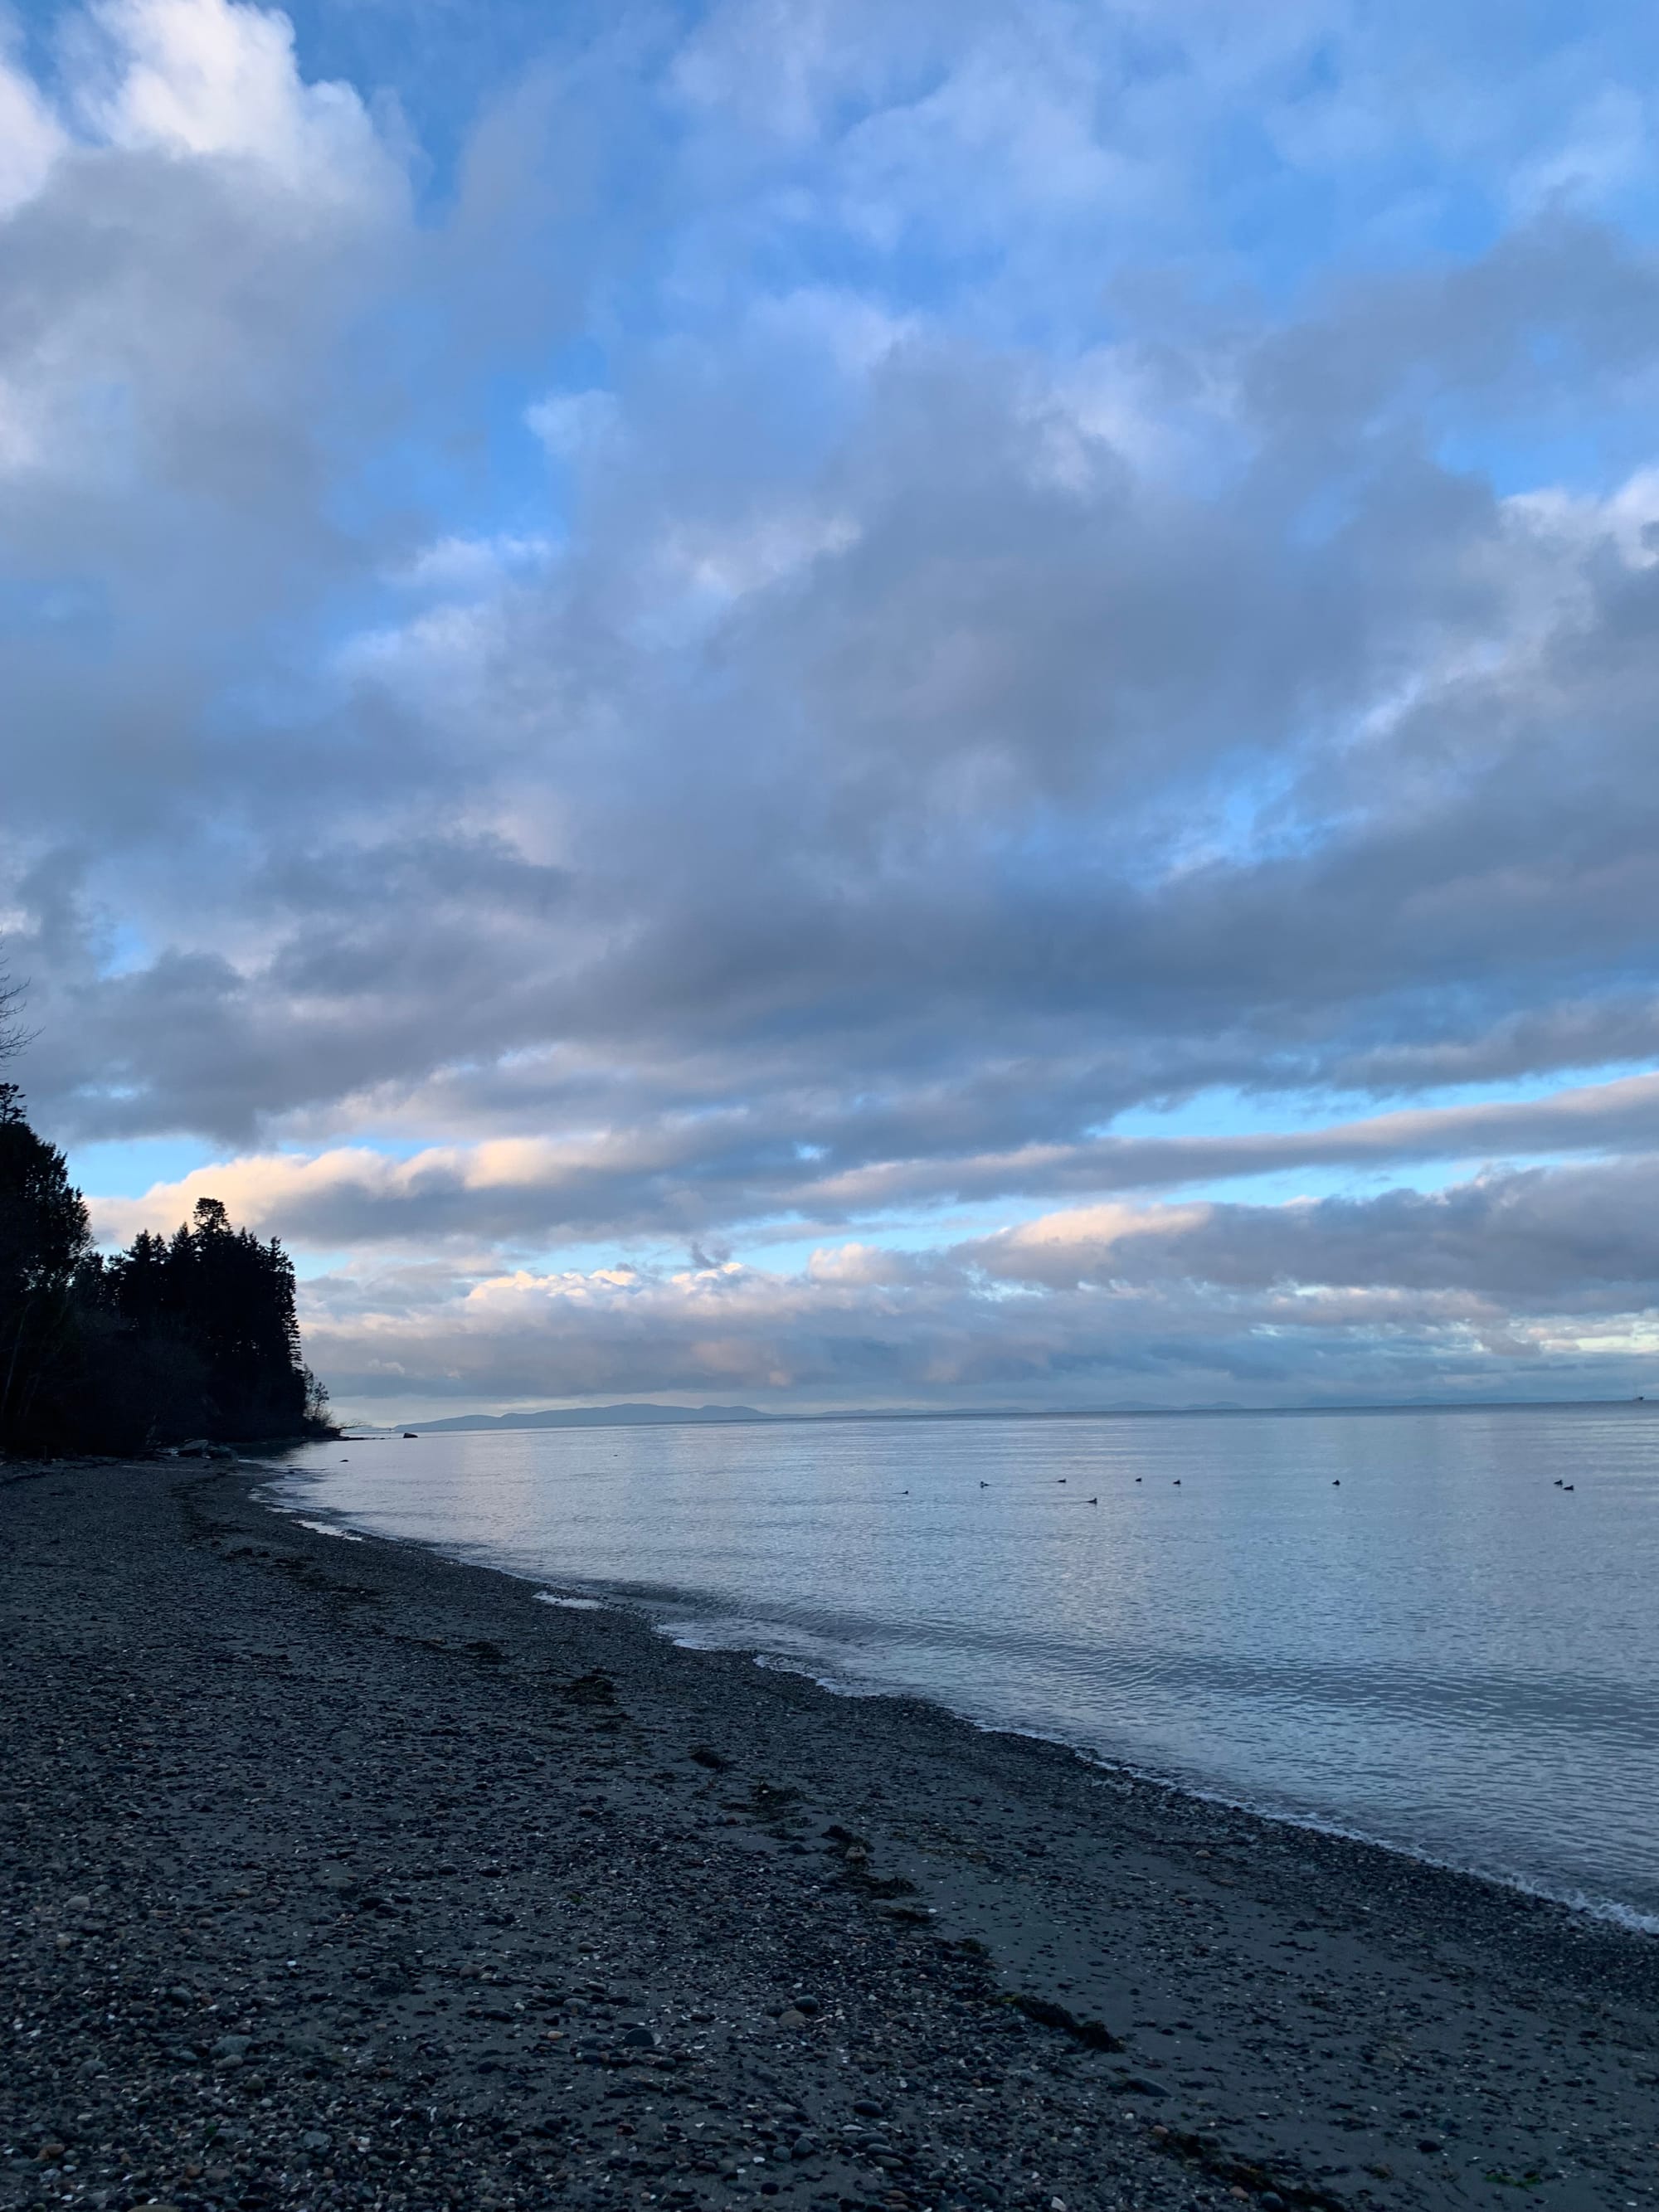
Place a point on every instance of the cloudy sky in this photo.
(830, 704)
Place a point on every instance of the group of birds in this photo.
(1174, 1483)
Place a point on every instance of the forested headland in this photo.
(191, 1335)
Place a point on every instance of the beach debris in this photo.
(1094, 2034)
(593, 1688)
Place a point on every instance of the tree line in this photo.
(178, 1337)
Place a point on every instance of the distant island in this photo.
(640, 1416)
(644, 1416)
(596, 1417)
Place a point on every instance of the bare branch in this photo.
(13, 1035)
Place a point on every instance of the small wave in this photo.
(836, 1685)
(327, 1529)
(571, 1604)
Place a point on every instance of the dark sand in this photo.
(338, 1875)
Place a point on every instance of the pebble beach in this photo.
(337, 1874)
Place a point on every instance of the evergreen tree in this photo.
(194, 1334)
(230, 1298)
(44, 1238)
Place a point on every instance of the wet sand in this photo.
(335, 1874)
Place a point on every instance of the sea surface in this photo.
(1401, 1624)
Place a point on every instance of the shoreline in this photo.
(1610, 1912)
(475, 1899)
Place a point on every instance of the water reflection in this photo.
(1397, 1623)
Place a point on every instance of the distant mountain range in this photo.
(660, 1417)
(597, 1416)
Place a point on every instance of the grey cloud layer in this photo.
(1546, 1279)
(901, 723)
(963, 790)
(711, 1173)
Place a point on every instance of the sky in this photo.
(800, 702)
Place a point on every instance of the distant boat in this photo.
(409, 1434)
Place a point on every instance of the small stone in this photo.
(791, 2017)
(810, 2006)
(639, 2038)
(868, 2109)
(231, 2046)
(80, 1904)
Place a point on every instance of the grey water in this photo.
(1404, 1624)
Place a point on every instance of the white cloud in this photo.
(31, 136)
(206, 77)
(575, 424)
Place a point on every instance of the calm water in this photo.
(1393, 1623)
